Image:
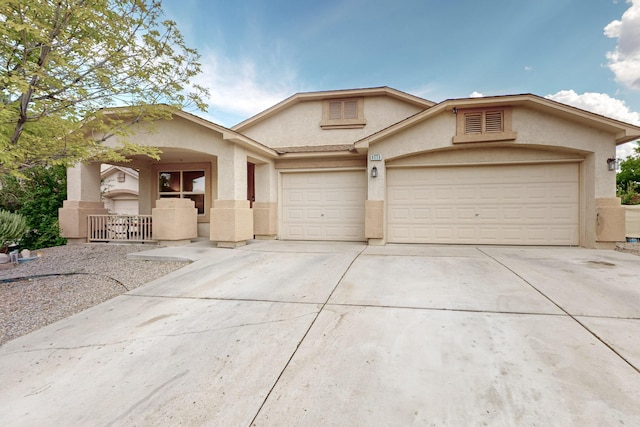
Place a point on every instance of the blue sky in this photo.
(255, 53)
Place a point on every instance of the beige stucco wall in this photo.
(300, 124)
(632, 215)
(538, 128)
(83, 199)
(189, 137)
(146, 184)
(83, 182)
(265, 220)
(541, 137)
(610, 220)
(174, 221)
(73, 218)
(231, 222)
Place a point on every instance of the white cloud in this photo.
(475, 94)
(601, 103)
(624, 61)
(528, 68)
(243, 88)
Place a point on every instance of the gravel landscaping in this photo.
(65, 280)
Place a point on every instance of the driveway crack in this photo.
(304, 336)
(54, 349)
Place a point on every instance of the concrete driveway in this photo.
(297, 333)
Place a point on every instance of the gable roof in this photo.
(227, 134)
(312, 96)
(624, 132)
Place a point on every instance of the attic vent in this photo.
(121, 176)
(350, 109)
(483, 122)
(473, 123)
(335, 110)
(343, 113)
(494, 121)
(483, 125)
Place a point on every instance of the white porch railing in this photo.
(119, 228)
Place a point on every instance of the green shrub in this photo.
(12, 228)
(37, 196)
(628, 179)
(630, 195)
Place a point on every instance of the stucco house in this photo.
(378, 165)
(119, 189)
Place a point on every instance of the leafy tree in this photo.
(36, 195)
(65, 64)
(628, 179)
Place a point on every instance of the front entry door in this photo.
(251, 183)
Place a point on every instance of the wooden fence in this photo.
(120, 228)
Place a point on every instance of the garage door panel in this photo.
(443, 213)
(295, 196)
(564, 191)
(466, 194)
(491, 193)
(323, 205)
(562, 214)
(524, 204)
(399, 195)
(399, 214)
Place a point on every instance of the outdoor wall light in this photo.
(374, 172)
(612, 163)
(455, 110)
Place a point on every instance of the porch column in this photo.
(609, 212)
(374, 205)
(610, 222)
(83, 199)
(175, 221)
(265, 208)
(146, 181)
(231, 216)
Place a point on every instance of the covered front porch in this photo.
(209, 182)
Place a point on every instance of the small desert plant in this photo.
(12, 227)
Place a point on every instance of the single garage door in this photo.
(515, 205)
(323, 205)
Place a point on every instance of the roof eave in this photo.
(311, 96)
(316, 154)
(624, 132)
(249, 144)
(229, 134)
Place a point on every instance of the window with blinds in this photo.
(343, 113)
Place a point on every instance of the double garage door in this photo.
(515, 205)
(534, 204)
(323, 205)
